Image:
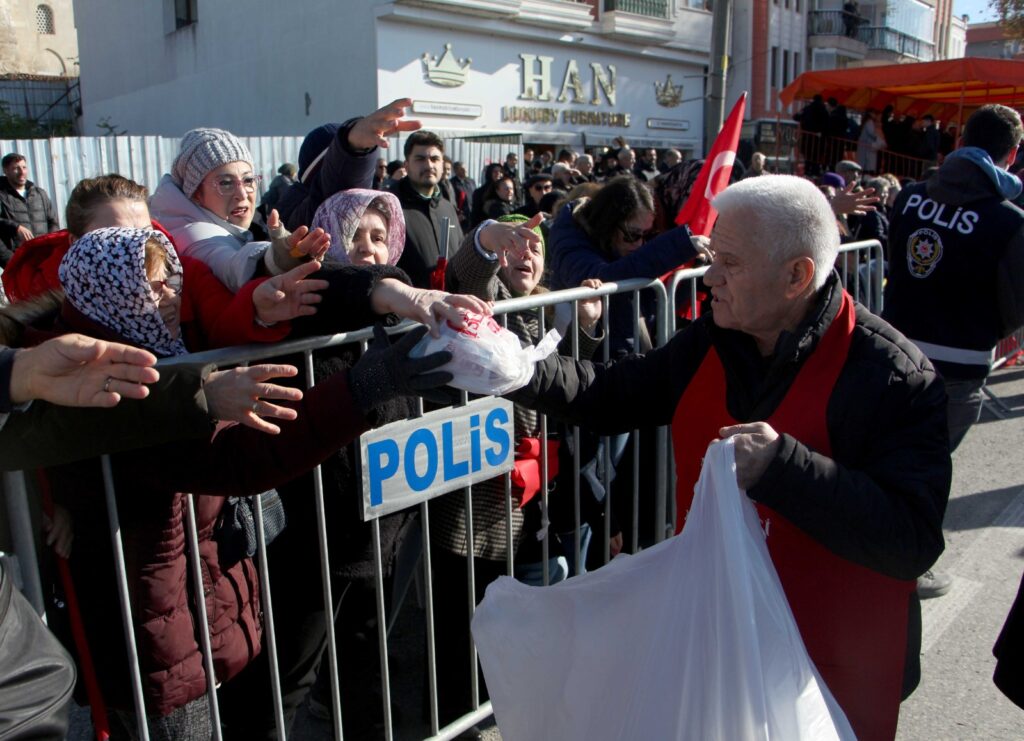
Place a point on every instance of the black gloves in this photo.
(386, 371)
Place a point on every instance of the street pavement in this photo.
(984, 528)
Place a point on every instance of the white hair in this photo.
(789, 216)
(585, 157)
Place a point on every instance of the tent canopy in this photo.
(938, 88)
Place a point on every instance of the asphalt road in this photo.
(984, 530)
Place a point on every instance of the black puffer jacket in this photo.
(34, 211)
(423, 232)
(878, 501)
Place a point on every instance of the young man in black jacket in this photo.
(840, 433)
(425, 208)
(26, 210)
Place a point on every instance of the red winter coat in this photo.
(211, 316)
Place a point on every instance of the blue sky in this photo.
(978, 10)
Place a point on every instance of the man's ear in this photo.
(800, 277)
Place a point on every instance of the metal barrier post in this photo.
(545, 520)
(204, 624)
(579, 567)
(21, 537)
(636, 433)
(382, 631)
(122, 593)
(662, 458)
(325, 575)
(606, 455)
(270, 637)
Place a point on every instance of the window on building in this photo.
(796, 64)
(775, 66)
(785, 67)
(44, 20)
(787, 4)
(185, 13)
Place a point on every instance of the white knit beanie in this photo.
(203, 150)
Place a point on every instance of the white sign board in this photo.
(478, 82)
(408, 462)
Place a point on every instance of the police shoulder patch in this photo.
(924, 250)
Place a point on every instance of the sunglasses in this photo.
(631, 235)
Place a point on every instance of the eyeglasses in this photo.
(175, 281)
(631, 235)
(543, 187)
(228, 186)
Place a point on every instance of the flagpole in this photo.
(714, 106)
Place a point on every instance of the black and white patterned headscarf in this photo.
(104, 277)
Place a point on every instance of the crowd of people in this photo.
(879, 141)
(842, 426)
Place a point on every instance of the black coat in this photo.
(888, 481)
(35, 211)
(878, 501)
(1009, 652)
(342, 168)
(423, 232)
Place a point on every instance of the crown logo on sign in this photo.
(446, 71)
(668, 95)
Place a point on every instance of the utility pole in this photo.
(714, 103)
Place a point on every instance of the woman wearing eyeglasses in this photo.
(207, 204)
(125, 283)
(605, 237)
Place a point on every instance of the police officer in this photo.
(956, 268)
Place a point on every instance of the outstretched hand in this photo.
(78, 371)
(426, 306)
(240, 395)
(289, 295)
(302, 243)
(848, 202)
(374, 129)
(503, 239)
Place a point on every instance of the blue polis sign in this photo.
(408, 462)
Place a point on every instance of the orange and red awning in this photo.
(939, 88)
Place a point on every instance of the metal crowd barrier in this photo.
(682, 283)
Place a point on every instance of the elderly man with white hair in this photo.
(840, 431)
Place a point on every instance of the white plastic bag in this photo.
(486, 357)
(691, 639)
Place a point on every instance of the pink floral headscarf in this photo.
(339, 216)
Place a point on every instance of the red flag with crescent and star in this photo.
(714, 175)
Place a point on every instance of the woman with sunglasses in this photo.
(604, 237)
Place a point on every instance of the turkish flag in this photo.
(714, 175)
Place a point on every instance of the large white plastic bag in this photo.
(486, 357)
(691, 639)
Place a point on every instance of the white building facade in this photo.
(559, 72)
